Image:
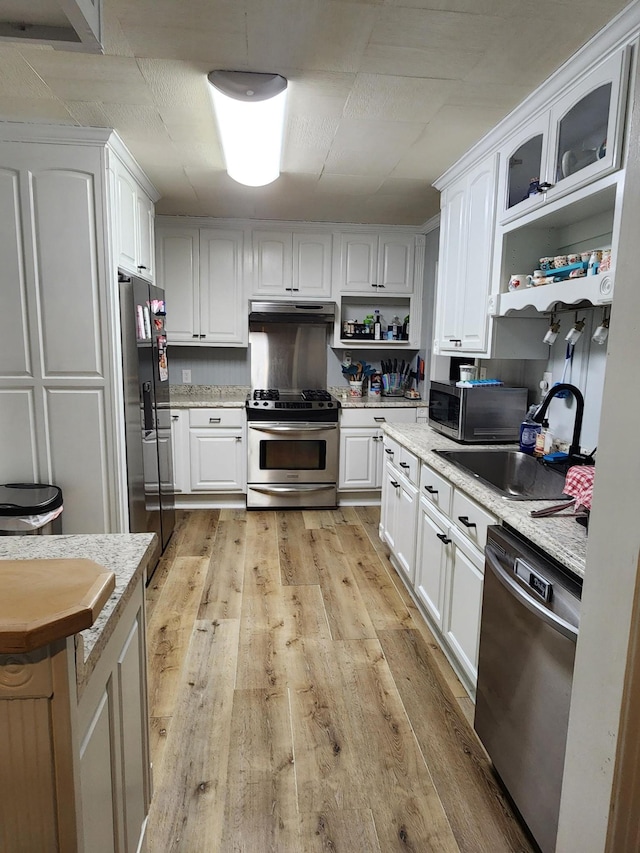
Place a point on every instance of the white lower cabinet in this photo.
(463, 605)
(436, 535)
(209, 453)
(433, 556)
(361, 445)
(217, 450)
(113, 759)
(399, 516)
(217, 460)
(180, 450)
(360, 459)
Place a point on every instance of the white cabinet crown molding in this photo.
(18, 131)
(287, 225)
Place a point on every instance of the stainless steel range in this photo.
(293, 443)
(293, 433)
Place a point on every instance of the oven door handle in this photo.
(530, 603)
(301, 427)
(290, 490)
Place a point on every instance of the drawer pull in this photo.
(379, 420)
(395, 485)
(238, 438)
(431, 490)
(404, 465)
(389, 451)
(214, 420)
(444, 539)
(175, 417)
(465, 520)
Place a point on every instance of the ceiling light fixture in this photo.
(249, 108)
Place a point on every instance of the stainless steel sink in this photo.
(516, 475)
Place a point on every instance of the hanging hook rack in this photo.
(569, 309)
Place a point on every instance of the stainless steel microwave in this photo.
(483, 413)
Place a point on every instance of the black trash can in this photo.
(30, 508)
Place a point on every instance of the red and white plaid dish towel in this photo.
(579, 484)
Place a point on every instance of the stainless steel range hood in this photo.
(289, 311)
(289, 344)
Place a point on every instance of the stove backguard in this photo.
(288, 356)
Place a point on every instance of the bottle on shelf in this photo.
(396, 327)
(377, 325)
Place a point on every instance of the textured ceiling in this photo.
(384, 95)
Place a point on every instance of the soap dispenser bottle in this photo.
(529, 430)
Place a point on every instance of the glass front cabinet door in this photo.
(578, 140)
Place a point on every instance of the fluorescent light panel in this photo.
(250, 112)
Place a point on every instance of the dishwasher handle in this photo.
(559, 625)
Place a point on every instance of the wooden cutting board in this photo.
(44, 600)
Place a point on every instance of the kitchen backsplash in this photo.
(210, 365)
(230, 366)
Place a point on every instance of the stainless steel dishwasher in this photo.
(528, 633)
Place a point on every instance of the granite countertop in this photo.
(234, 396)
(208, 396)
(373, 402)
(563, 538)
(125, 554)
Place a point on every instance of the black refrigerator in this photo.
(147, 410)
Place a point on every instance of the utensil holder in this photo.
(394, 384)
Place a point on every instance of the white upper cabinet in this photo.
(134, 212)
(382, 263)
(464, 272)
(576, 140)
(291, 264)
(201, 272)
(178, 266)
(223, 316)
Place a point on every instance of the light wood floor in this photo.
(298, 701)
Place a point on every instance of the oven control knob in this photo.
(266, 403)
(320, 405)
(330, 405)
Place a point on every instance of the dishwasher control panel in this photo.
(541, 586)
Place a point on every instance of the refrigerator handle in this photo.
(147, 407)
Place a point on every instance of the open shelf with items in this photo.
(582, 225)
(593, 289)
(356, 308)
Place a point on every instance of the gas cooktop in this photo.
(308, 398)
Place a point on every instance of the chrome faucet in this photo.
(574, 451)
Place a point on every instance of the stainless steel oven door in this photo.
(292, 452)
